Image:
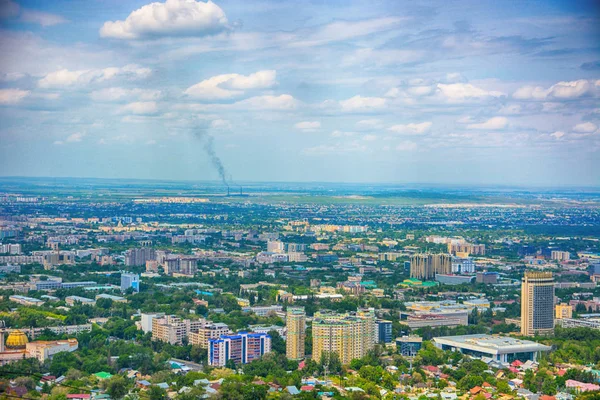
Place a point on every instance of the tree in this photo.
(277, 343)
(156, 393)
(116, 387)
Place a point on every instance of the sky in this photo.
(457, 92)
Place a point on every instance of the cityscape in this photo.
(277, 199)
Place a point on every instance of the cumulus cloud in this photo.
(414, 129)
(359, 103)
(493, 123)
(171, 18)
(65, 77)
(465, 91)
(557, 134)
(562, 90)
(119, 93)
(308, 125)
(140, 108)
(12, 96)
(231, 85)
(585, 127)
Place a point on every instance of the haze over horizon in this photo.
(373, 92)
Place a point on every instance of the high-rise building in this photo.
(349, 335)
(383, 331)
(173, 330)
(425, 266)
(242, 348)
(137, 257)
(295, 323)
(130, 281)
(537, 303)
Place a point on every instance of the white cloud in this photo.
(12, 96)
(585, 127)
(382, 57)
(75, 137)
(369, 124)
(65, 77)
(308, 125)
(493, 123)
(358, 103)
(557, 134)
(465, 120)
(344, 30)
(172, 18)
(406, 146)
(220, 124)
(119, 93)
(42, 18)
(338, 134)
(411, 128)
(369, 138)
(465, 91)
(281, 102)
(140, 108)
(231, 85)
(561, 90)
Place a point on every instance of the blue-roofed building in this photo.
(242, 348)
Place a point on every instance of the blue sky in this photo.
(345, 91)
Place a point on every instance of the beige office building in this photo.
(295, 323)
(207, 332)
(425, 266)
(349, 335)
(537, 303)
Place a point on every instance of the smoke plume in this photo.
(209, 148)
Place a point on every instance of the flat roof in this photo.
(492, 344)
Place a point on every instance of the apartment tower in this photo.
(295, 323)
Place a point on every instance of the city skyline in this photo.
(336, 92)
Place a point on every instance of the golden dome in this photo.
(16, 340)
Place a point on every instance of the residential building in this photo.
(146, 320)
(26, 301)
(241, 348)
(560, 255)
(463, 265)
(209, 331)
(487, 277)
(563, 311)
(295, 323)
(426, 266)
(537, 303)
(137, 257)
(73, 300)
(174, 330)
(350, 335)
